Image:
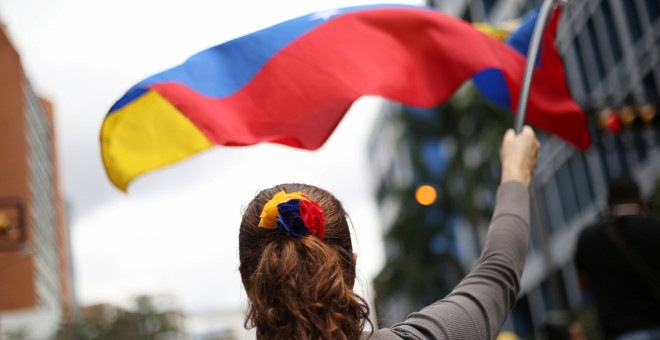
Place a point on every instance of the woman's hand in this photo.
(519, 154)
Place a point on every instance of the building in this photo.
(612, 62)
(36, 291)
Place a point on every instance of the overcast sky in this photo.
(176, 230)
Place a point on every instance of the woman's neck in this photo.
(625, 209)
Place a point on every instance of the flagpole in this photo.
(532, 54)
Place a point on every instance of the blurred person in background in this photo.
(618, 263)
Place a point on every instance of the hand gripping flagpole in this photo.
(532, 54)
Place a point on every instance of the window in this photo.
(639, 145)
(615, 159)
(653, 9)
(582, 180)
(581, 66)
(650, 87)
(539, 220)
(615, 46)
(596, 49)
(488, 5)
(633, 19)
(553, 207)
(467, 16)
(567, 191)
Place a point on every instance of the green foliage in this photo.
(21, 334)
(470, 130)
(108, 322)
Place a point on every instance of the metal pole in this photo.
(532, 54)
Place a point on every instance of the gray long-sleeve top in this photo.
(477, 308)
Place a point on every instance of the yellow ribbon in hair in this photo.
(269, 213)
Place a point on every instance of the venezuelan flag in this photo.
(293, 82)
(549, 86)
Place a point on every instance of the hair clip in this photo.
(294, 214)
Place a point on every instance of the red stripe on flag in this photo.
(415, 57)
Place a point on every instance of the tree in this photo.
(21, 334)
(422, 263)
(103, 322)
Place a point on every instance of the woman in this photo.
(298, 266)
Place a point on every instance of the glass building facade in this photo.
(612, 61)
(43, 212)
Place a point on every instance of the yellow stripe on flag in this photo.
(499, 32)
(144, 135)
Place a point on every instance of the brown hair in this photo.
(300, 288)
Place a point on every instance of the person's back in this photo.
(624, 300)
(298, 267)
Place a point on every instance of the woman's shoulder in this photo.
(399, 332)
(380, 334)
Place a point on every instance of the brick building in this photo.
(36, 291)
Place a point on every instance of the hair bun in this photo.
(294, 214)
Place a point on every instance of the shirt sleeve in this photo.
(478, 306)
